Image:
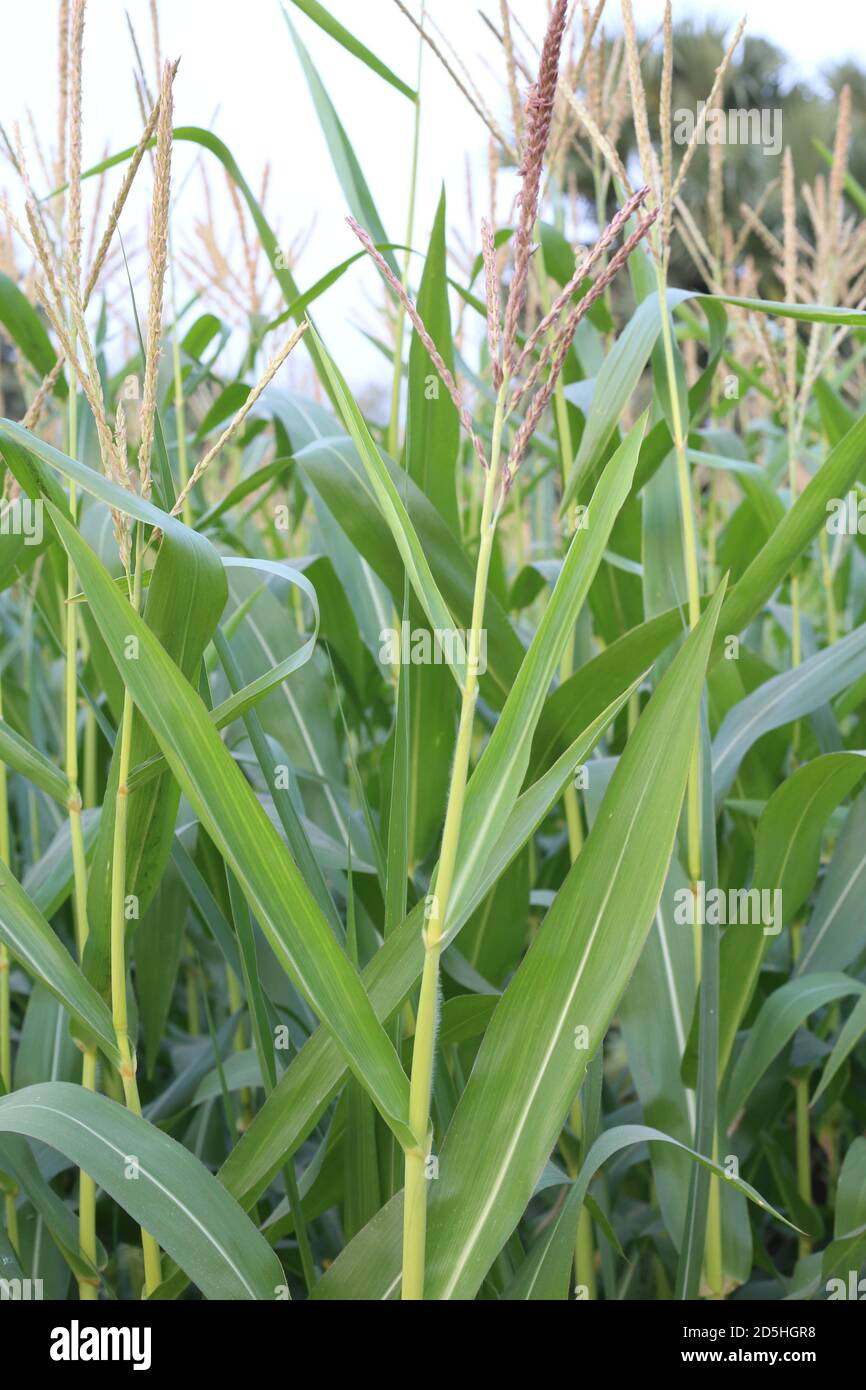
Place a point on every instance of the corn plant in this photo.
(431, 834)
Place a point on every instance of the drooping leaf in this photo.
(173, 1196)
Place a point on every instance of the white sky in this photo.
(239, 75)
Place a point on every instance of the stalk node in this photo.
(431, 942)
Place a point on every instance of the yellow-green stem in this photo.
(5, 1018)
(192, 1013)
(5, 962)
(88, 1289)
(713, 1262)
(713, 1245)
(420, 1087)
(802, 1117)
(801, 1085)
(804, 1153)
(796, 652)
(152, 1270)
(632, 712)
(5, 995)
(827, 580)
(570, 798)
(690, 555)
(563, 430)
(795, 582)
(711, 535)
(584, 1245)
(584, 1255)
(239, 1042)
(88, 791)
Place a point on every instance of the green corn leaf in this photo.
(833, 936)
(620, 373)
(845, 1252)
(566, 989)
(343, 156)
(546, 1271)
(568, 982)
(16, 1158)
(318, 1070)
(779, 1018)
(784, 698)
(432, 422)
(185, 596)
(805, 313)
(495, 783)
(27, 330)
(332, 26)
(24, 758)
(788, 845)
(338, 475)
(225, 804)
(31, 941)
(396, 516)
(173, 1196)
(579, 699)
(849, 1036)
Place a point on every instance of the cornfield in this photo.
(432, 825)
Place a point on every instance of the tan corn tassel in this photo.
(158, 258)
(598, 138)
(638, 95)
(539, 111)
(63, 85)
(491, 281)
(479, 110)
(420, 328)
(265, 381)
(718, 82)
(716, 203)
(511, 71)
(540, 401)
(838, 172)
(789, 266)
(34, 410)
(582, 270)
(74, 237)
(666, 132)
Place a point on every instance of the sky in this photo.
(240, 77)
